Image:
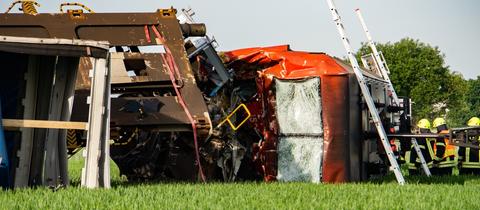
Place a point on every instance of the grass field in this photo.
(456, 192)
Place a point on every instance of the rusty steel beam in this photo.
(120, 29)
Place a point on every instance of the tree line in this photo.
(418, 70)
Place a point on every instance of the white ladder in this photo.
(366, 94)
(378, 59)
(382, 66)
(420, 155)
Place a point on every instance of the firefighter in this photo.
(446, 157)
(426, 147)
(474, 122)
(470, 161)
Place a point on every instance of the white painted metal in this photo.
(48, 41)
(382, 66)
(378, 59)
(93, 175)
(105, 160)
(366, 94)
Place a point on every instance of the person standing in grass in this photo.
(470, 157)
(426, 147)
(446, 157)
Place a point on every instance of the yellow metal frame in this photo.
(30, 2)
(74, 4)
(227, 119)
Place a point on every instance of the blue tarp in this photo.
(4, 165)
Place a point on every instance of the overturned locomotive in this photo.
(180, 111)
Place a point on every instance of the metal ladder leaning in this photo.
(366, 94)
(382, 66)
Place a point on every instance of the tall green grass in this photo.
(455, 192)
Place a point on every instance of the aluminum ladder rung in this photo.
(381, 63)
(420, 155)
(366, 94)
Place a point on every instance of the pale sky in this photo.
(307, 25)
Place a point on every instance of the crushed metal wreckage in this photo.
(305, 114)
(181, 111)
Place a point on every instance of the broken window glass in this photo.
(300, 146)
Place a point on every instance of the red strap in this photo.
(147, 34)
(172, 66)
(170, 58)
(159, 36)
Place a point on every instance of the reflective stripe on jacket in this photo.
(445, 152)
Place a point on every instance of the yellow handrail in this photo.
(74, 4)
(227, 119)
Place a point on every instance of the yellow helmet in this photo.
(474, 121)
(438, 122)
(424, 123)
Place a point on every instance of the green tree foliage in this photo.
(473, 97)
(418, 71)
(458, 109)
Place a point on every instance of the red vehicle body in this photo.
(340, 105)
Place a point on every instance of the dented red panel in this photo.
(264, 64)
(285, 64)
(335, 117)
